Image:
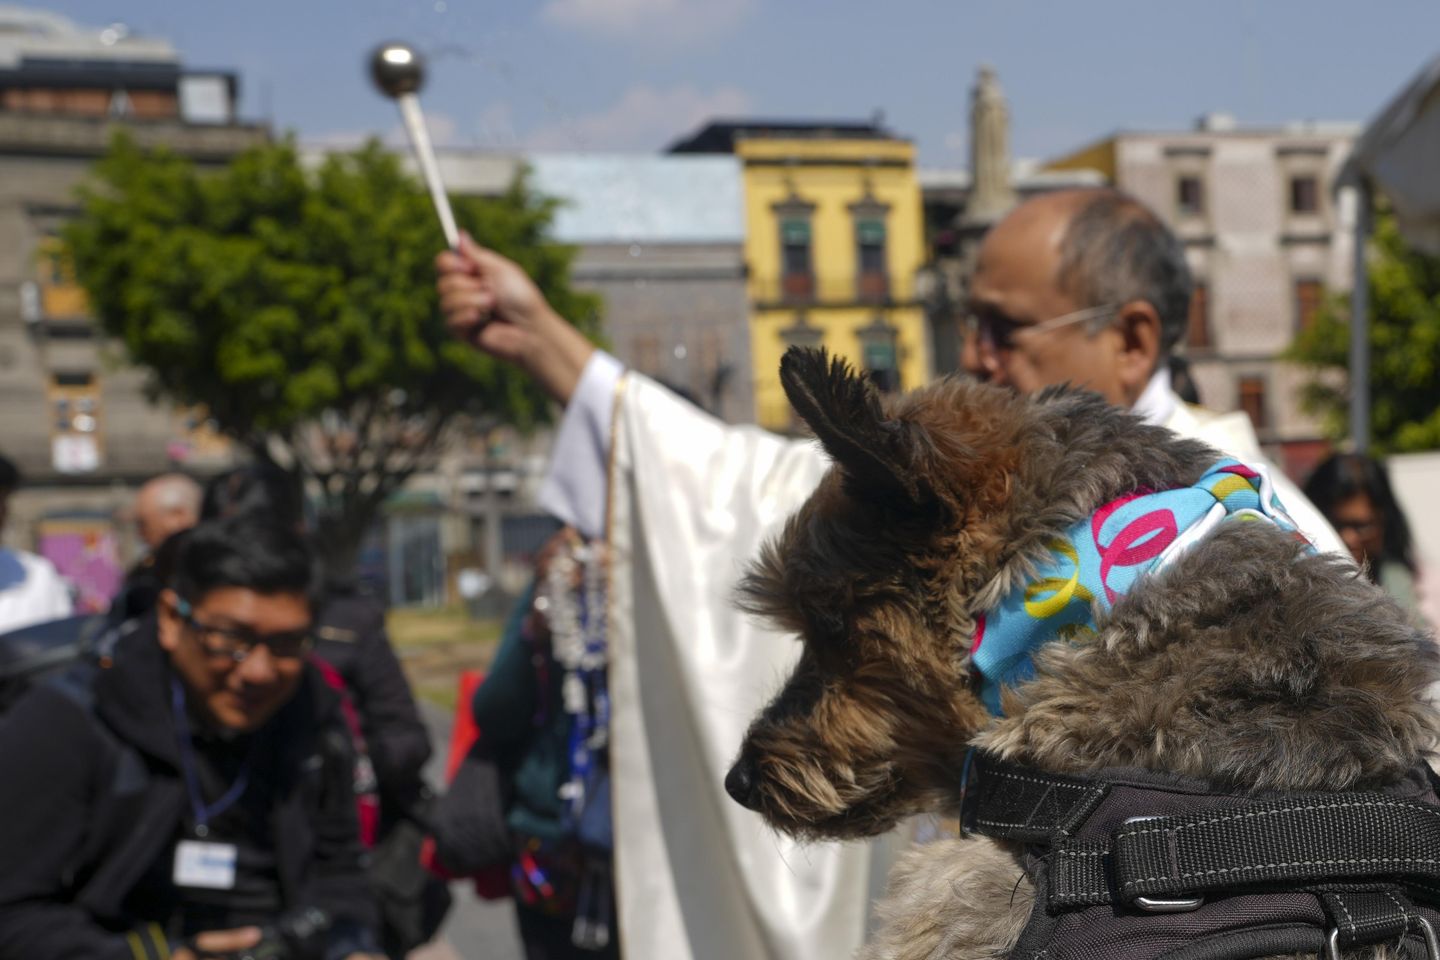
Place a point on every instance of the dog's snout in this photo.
(740, 782)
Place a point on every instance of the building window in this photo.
(1190, 196)
(708, 379)
(1198, 329)
(801, 333)
(873, 281)
(1309, 298)
(1304, 194)
(879, 354)
(1252, 400)
(75, 426)
(797, 272)
(60, 295)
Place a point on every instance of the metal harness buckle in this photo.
(1427, 932)
(1177, 905)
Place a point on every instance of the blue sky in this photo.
(635, 74)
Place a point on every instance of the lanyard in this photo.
(202, 811)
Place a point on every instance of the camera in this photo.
(297, 935)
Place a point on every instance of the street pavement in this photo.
(475, 929)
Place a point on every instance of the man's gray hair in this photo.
(1116, 250)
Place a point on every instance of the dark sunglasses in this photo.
(997, 332)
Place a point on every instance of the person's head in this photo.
(235, 618)
(258, 490)
(164, 506)
(9, 483)
(1086, 287)
(1354, 494)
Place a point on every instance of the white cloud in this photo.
(642, 119)
(657, 21)
(957, 142)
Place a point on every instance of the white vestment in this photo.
(687, 504)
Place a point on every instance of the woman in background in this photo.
(1354, 494)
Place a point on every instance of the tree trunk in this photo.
(339, 536)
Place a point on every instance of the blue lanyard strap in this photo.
(202, 811)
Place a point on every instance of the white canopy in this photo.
(1399, 153)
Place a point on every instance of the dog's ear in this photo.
(877, 454)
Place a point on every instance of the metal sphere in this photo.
(397, 69)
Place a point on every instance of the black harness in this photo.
(1138, 865)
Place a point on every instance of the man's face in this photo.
(1015, 288)
(271, 629)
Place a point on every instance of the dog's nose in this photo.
(740, 783)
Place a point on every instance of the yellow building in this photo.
(833, 240)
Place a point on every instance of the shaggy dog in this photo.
(1249, 662)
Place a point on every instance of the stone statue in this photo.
(990, 191)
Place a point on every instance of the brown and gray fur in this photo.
(1246, 662)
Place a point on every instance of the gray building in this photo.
(74, 419)
(1265, 239)
(661, 240)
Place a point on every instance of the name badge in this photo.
(209, 866)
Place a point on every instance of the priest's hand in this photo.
(490, 302)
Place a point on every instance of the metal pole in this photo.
(425, 155)
(1360, 325)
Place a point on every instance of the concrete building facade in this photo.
(1265, 240)
(75, 420)
(660, 239)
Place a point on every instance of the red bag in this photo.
(493, 883)
(367, 787)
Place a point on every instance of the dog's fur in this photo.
(1246, 662)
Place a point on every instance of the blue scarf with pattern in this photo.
(1099, 559)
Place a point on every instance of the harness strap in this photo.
(1294, 842)
(1029, 806)
(1368, 916)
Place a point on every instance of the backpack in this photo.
(32, 653)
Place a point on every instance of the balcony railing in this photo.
(807, 289)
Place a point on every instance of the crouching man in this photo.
(192, 796)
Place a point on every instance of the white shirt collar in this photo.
(1157, 402)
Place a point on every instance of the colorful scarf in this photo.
(1098, 560)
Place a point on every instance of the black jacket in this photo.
(350, 630)
(91, 796)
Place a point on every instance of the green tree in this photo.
(298, 308)
(1404, 349)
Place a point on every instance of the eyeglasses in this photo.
(996, 332)
(1361, 527)
(237, 643)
